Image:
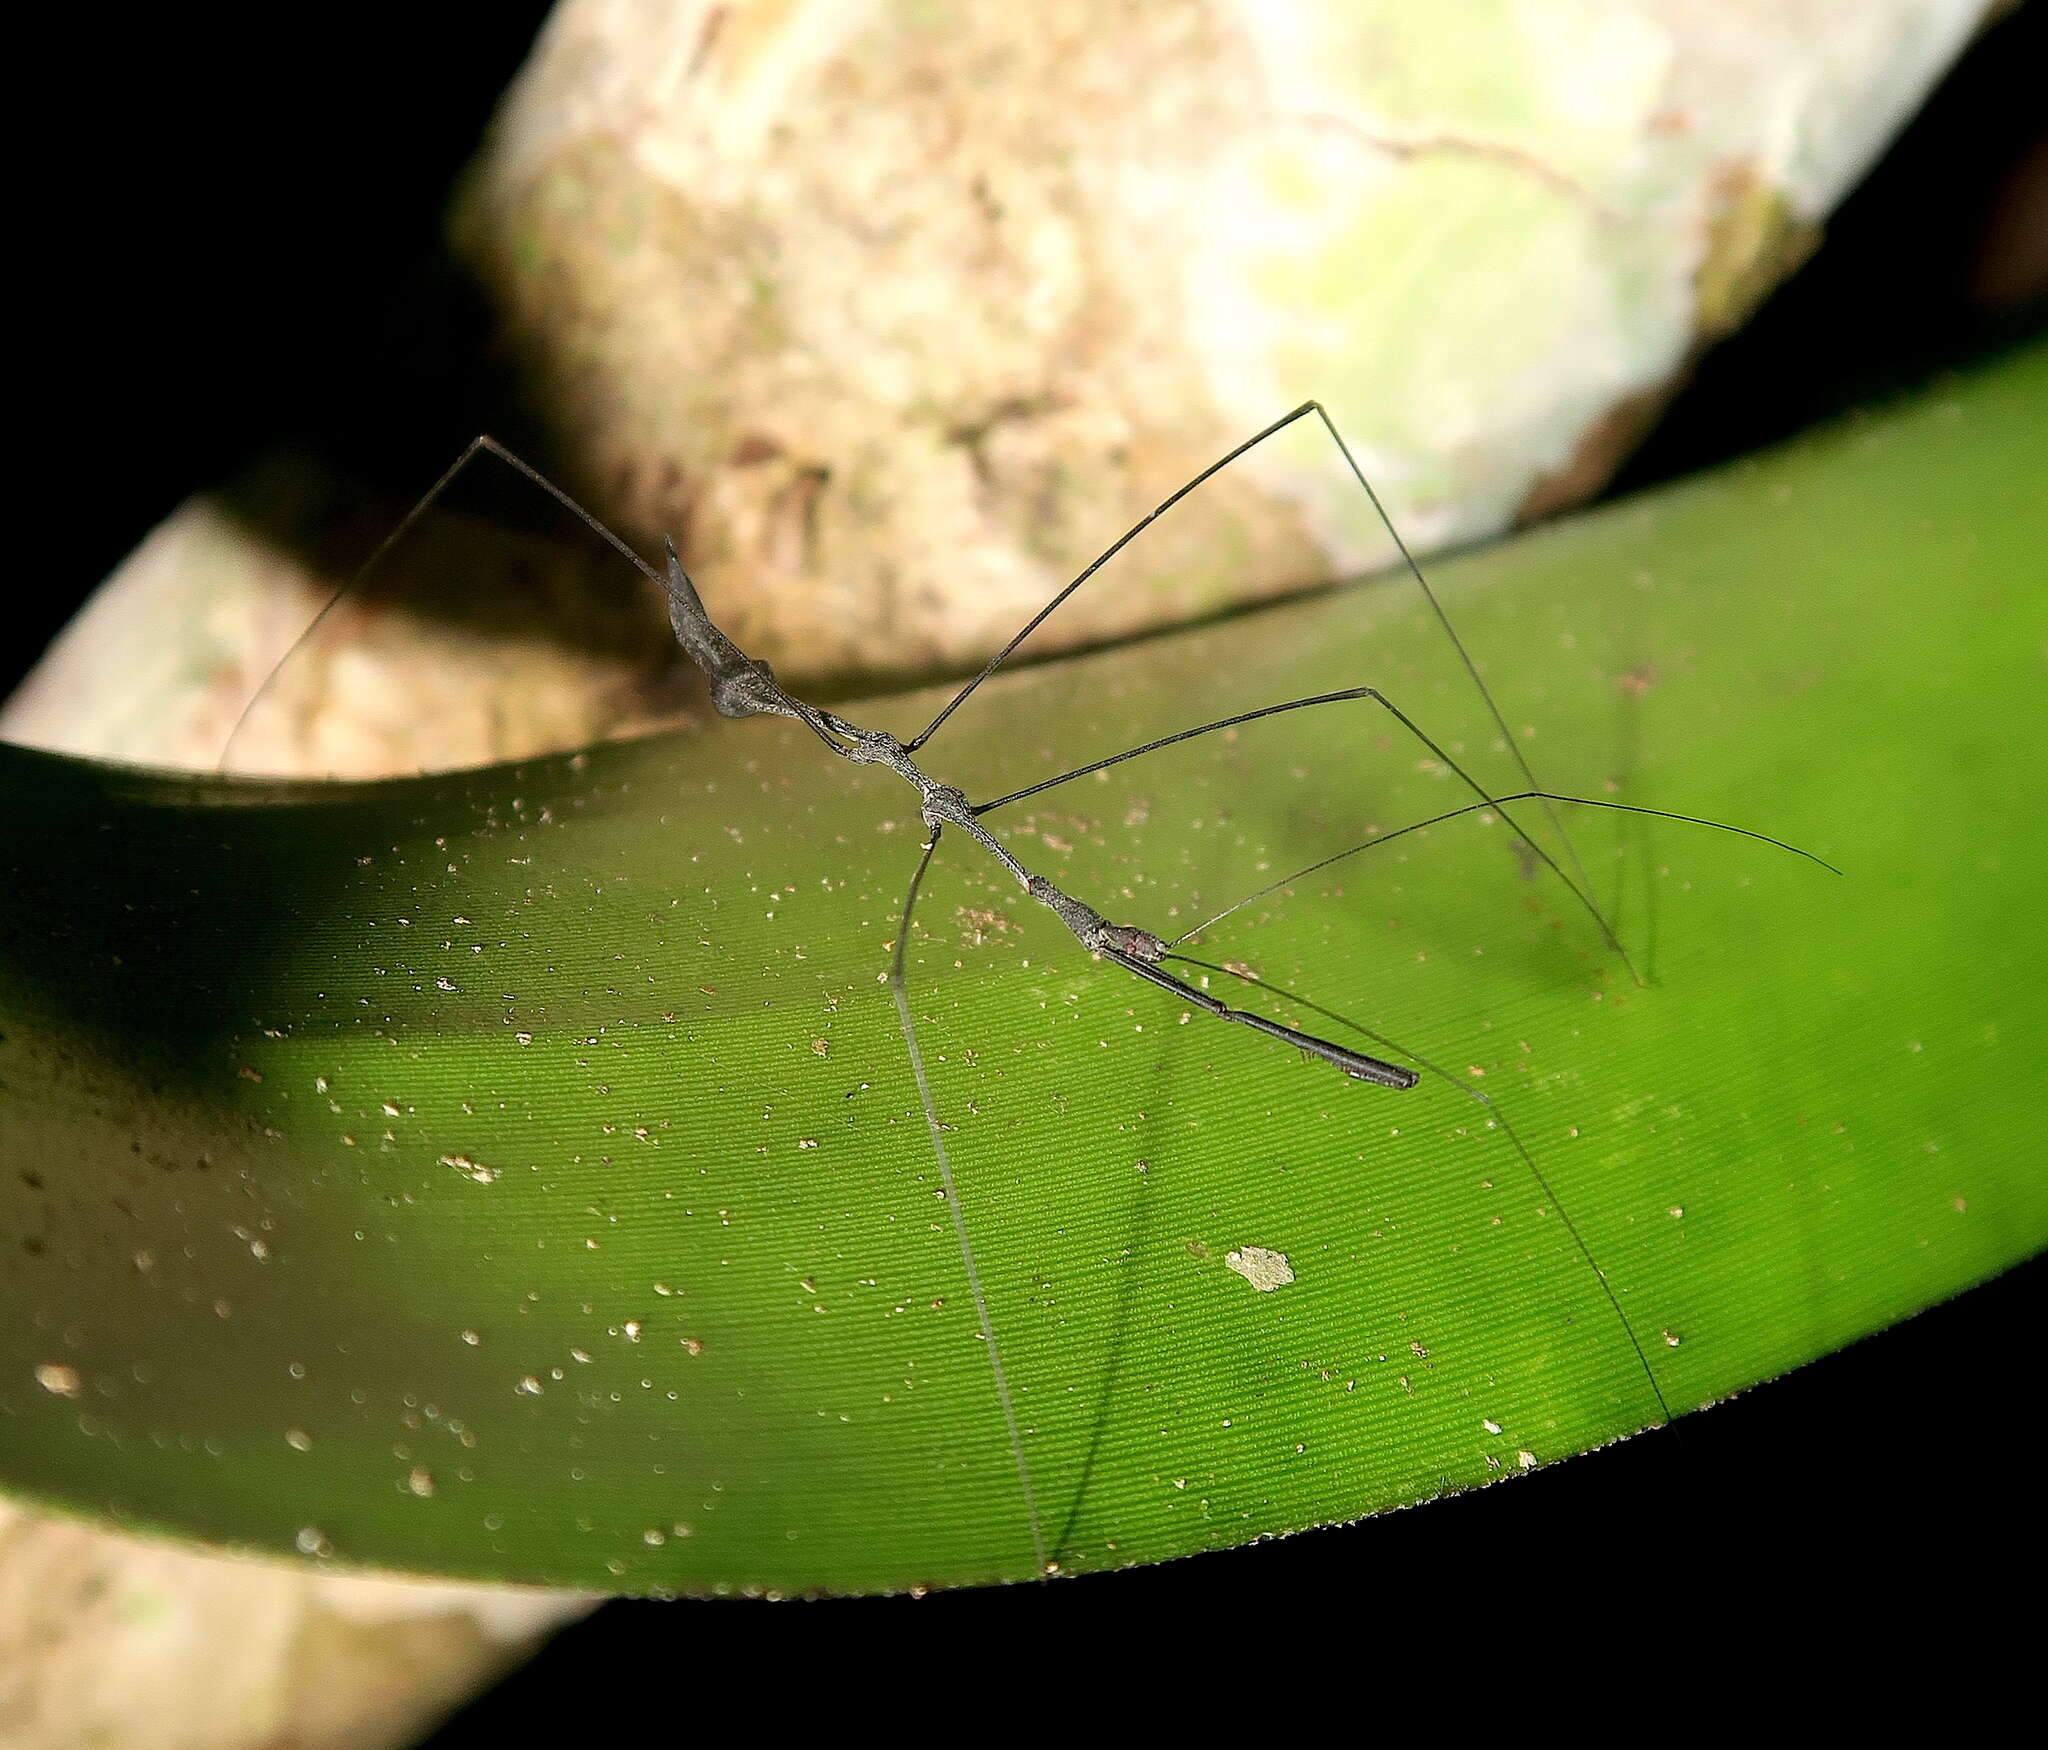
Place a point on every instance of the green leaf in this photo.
(518, 1173)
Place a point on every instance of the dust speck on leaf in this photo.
(1262, 1267)
(469, 1169)
(55, 1377)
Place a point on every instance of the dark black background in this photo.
(232, 240)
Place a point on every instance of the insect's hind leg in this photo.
(1497, 1117)
(1577, 879)
(899, 994)
(1346, 695)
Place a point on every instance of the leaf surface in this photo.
(518, 1173)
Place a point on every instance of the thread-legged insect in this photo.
(742, 687)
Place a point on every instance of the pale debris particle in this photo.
(298, 1440)
(469, 1169)
(1263, 1268)
(1526, 1459)
(1671, 1339)
(55, 1377)
(420, 1481)
(1490, 1425)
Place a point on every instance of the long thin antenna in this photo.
(985, 1326)
(480, 445)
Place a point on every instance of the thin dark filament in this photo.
(1117, 759)
(1443, 619)
(1494, 1116)
(1581, 893)
(486, 445)
(483, 445)
(1101, 559)
(1578, 881)
(1272, 887)
(931, 1118)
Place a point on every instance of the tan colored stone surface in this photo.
(117, 1643)
(895, 315)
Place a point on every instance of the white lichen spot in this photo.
(1262, 1267)
(56, 1378)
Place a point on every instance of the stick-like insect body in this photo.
(743, 687)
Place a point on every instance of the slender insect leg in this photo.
(480, 445)
(1493, 803)
(1578, 880)
(1443, 619)
(1496, 1117)
(985, 1326)
(1375, 696)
